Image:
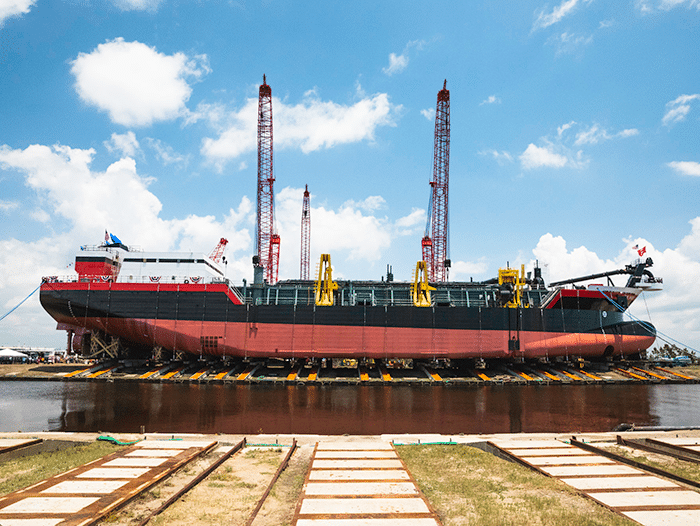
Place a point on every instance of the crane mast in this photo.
(305, 235)
(267, 241)
(435, 243)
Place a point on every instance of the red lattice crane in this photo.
(435, 243)
(305, 235)
(267, 241)
(218, 251)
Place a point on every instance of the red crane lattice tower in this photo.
(435, 244)
(305, 235)
(267, 240)
(218, 250)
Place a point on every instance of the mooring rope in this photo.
(19, 304)
(648, 326)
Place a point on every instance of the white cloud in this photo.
(166, 154)
(135, 84)
(137, 5)
(604, 24)
(596, 134)
(462, 270)
(686, 167)
(569, 42)
(397, 63)
(670, 4)
(7, 206)
(10, 8)
(124, 144)
(428, 114)
(676, 110)
(491, 99)
(537, 157)
(411, 224)
(545, 20)
(86, 202)
(310, 125)
(561, 129)
(501, 157)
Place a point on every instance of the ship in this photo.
(124, 301)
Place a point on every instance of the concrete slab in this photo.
(539, 452)
(368, 444)
(528, 444)
(361, 488)
(165, 453)
(359, 463)
(86, 486)
(362, 474)
(367, 522)
(647, 498)
(601, 483)
(113, 473)
(172, 444)
(54, 505)
(12, 442)
(140, 462)
(356, 454)
(31, 522)
(362, 506)
(665, 518)
(574, 471)
(553, 461)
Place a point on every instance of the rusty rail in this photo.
(204, 474)
(279, 471)
(662, 448)
(634, 463)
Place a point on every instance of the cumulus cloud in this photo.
(491, 99)
(7, 206)
(137, 5)
(124, 144)
(545, 19)
(10, 8)
(428, 114)
(674, 310)
(676, 110)
(686, 167)
(134, 83)
(538, 157)
(310, 125)
(397, 63)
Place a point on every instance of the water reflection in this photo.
(250, 409)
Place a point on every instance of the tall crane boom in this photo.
(267, 241)
(305, 235)
(218, 251)
(435, 244)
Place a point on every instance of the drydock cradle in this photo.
(301, 373)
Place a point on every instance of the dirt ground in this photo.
(229, 494)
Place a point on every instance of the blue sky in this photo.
(575, 134)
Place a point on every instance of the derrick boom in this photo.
(267, 242)
(305, 235)
(435, 243)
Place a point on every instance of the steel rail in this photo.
(204, 474)
(279, 471)
(634, 463)
(662, 448)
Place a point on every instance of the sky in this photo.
(575, 135)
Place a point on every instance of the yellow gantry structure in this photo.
(420, 290)
(325, 286)
(511, 276)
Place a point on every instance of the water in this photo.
(248, 409)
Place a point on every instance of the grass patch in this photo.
(678, 467)
(22, 472)
(468, 486)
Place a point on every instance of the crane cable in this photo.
(20, 303)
